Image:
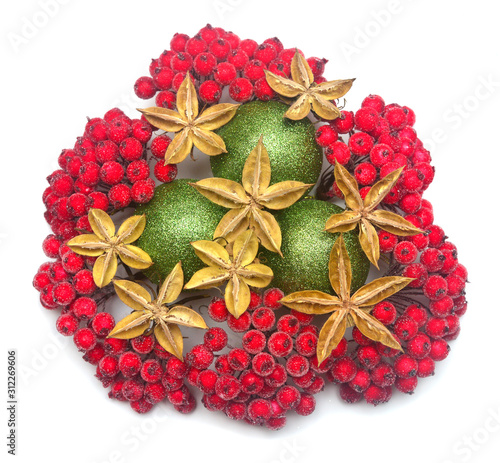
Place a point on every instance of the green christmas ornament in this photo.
(292, 147)
(306, 249)
(176, 215)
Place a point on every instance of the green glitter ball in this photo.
(176, 215)
(292, 147)
(306, 249)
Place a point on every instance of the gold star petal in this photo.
(157, 313)
(191, 128)
(248, 200)
(108, 246)
(310, 95)
(364, 215)
(239, 272)
(346, 309)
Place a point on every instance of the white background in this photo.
(439, 58)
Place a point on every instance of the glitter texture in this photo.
(292, 147)
(176, 215)
(306, 249)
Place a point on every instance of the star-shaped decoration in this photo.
(310, 95)
(347, 310)
(191, 128)
(109, 246)
(248, 200)
(160, 314)
(363, 212)
(239, 271)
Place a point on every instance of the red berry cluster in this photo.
(381, 139)
(274, 371)
(217, 59)
(424, 317)
(108, 169)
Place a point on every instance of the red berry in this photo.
(365, 173)
(241, 90)
(254, 341)
(251, 383)
(241, 324)
(84, 339)
(206, 381)
(215, 339)
(288, 397)
(426, 367)
(263, 319)
(385, 312)
(439, 350)
(435, 288)
(217, 310)
(238, 359)
(360, 144)
(344, 123)
(227, 387)
(361, 381)
(263, 364)
(129, 364)
(67, 324)
(144, 87)
(199, 357)
(405, 366)
(159, 146)
(176, 368)
(225, 73)
(210, 91)
(368, 356)
(262, 90)
(143, 191)
(306, 343)
(366, 119)
(383, 375)
(272, 298)
(259, 410)
(143, 344)
(120, 196)
(133, 390)
(375, 102)
(344, 369)
(419, 347)
(349, 395)
(83, 282)
(165, 99)
(406, 385)
(151, 371)
(280, 344)
(338, 152)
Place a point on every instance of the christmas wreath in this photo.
(350, 283)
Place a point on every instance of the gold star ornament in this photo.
(248, 200)
(191, 128)
(347, 310)
(239, 271)
(109, 246)
(160, 315)
(363, 212)
(310, 95)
